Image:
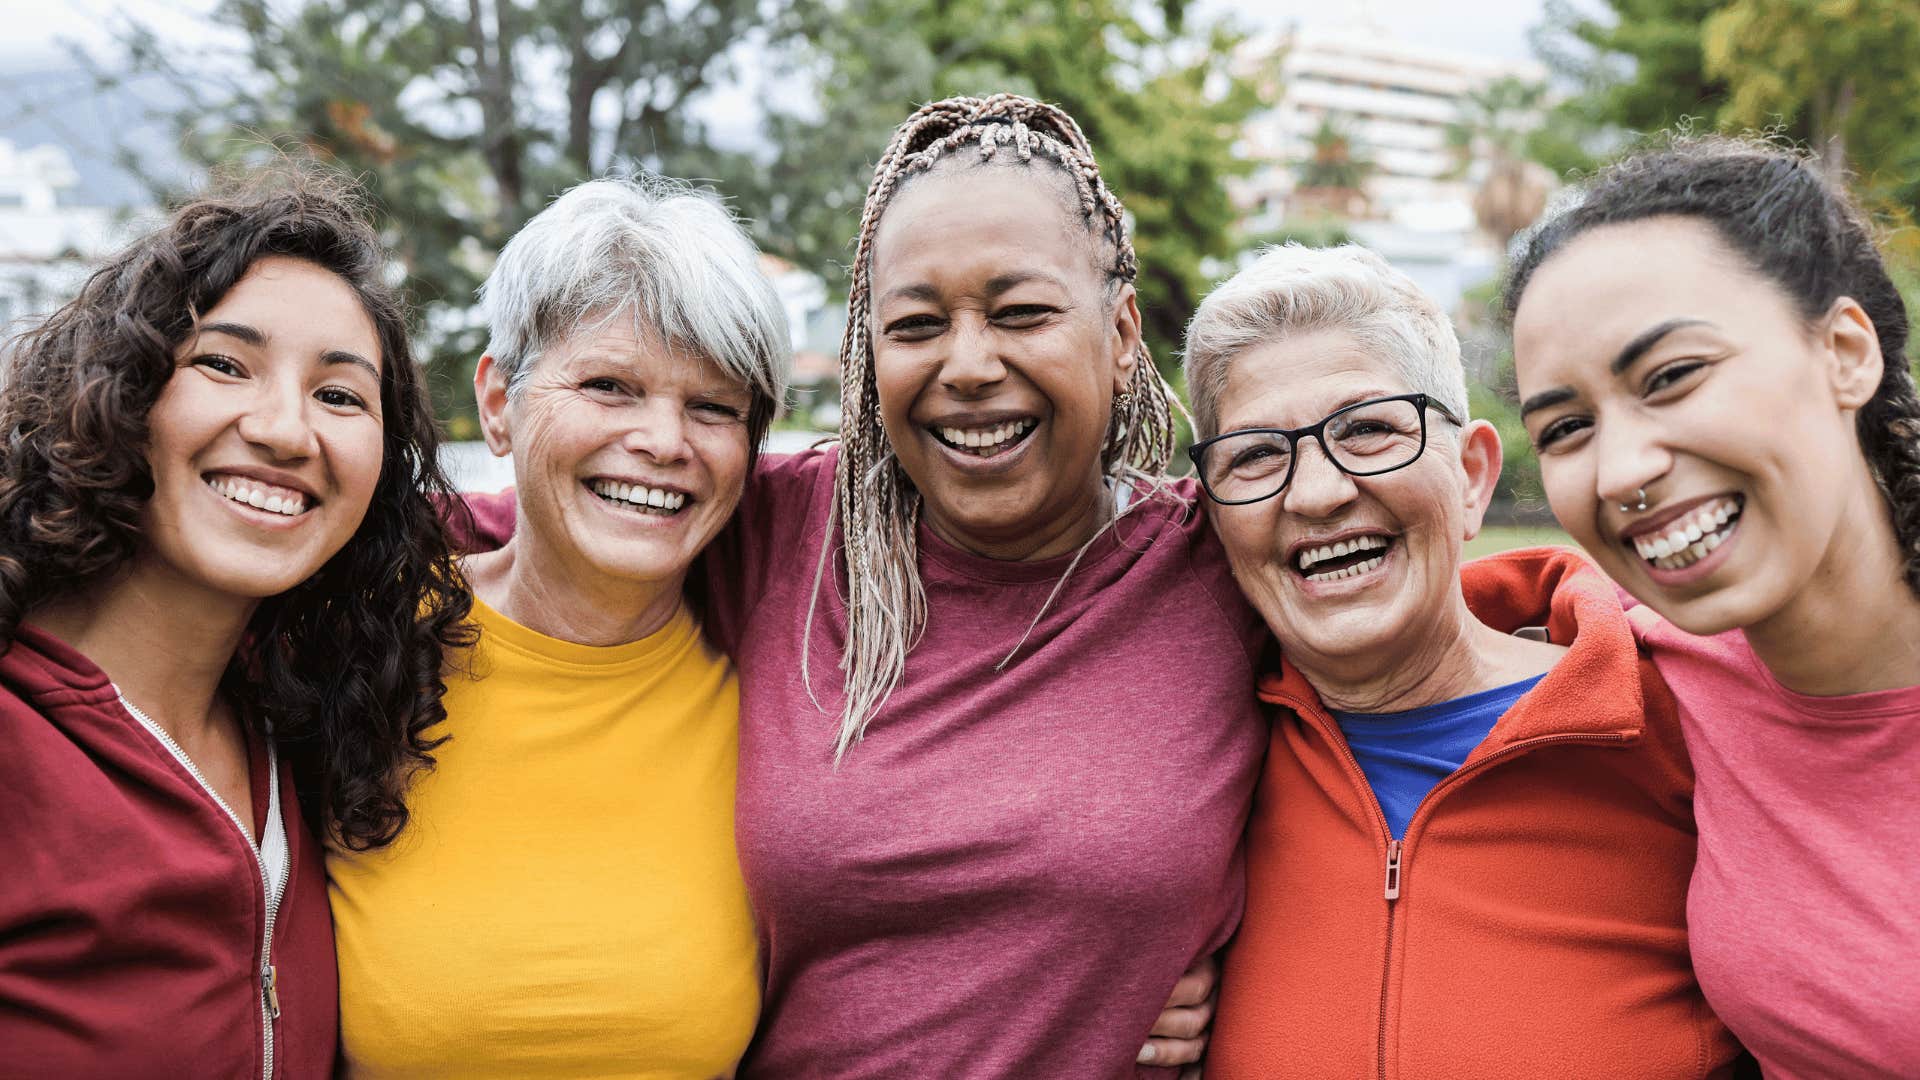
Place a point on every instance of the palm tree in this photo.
(1333, 177)
(1495, 125)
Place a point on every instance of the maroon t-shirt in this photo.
(1008, 874)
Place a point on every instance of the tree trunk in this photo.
(499, 138)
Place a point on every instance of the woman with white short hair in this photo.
(1470, 849)
(566, 899)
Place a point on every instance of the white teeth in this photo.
(639, 495)
(1349, 571)
(1688, 540)
(1338, 548)
(274, 500)
(984, 438)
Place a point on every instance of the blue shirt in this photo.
(1404, 754)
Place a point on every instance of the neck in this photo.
(164, 642)
(584, 609)
(1854, 626)
(1457, 656)
(1064, 534)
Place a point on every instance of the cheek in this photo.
(358, 450)
(723, 451)
(1569, 488)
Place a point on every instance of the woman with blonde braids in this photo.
(996, 848)
(998, 738)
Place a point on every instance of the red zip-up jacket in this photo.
(133, 912)
(1531, 922)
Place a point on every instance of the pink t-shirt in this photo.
(1007, 876)
(1804, 912)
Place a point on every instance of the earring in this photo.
(1642, 505)
(1123, 401)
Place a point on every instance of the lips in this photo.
(1675, 541)
(272, 498)
(983, 440)
(1338, 558)
(649, 498)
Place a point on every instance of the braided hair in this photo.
(876, 505)
(1794, 226)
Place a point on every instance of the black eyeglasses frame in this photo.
(1198, 451)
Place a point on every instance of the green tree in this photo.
(1845, 74)
(463, 116)
(1156, 99)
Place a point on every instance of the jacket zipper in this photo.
(1398, 852)
(269, 994)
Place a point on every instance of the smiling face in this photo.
(1694, 378)
(266, 442)
(1350, 570)
(998, 348)
(629, 455)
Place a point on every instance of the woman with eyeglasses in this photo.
(1713, 368)
(1469, 852)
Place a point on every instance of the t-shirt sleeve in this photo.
(479, 522)
(778, 529)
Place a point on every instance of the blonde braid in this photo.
(876, 507)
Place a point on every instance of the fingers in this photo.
(1173, 1051)
(1197, 985)
(1188, 1022)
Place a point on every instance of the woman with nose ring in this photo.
(1469, 853)
(1713, 368)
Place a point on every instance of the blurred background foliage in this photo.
(465, 116)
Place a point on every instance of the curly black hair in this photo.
(345, 667)
(1794, 226)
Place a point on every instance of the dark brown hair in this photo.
(1795, 227)
(346, 666)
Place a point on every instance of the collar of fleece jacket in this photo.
(1600, 686)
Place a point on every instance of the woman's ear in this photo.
(1854, 346)
(1480, 459)
(1125, 338)
(490, 394)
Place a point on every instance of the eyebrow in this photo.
(255, 337)
(994, 286)
(342, 356)
(1647, 339)
(1629, 353)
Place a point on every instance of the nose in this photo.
(1629, 457)
(277, 420)
(659, 431)
(972, 364)
(1318, 488)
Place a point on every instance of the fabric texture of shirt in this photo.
(1531, 923)
(1007, 875)
(565, 900)
(1805, 921)
(1404, 754)
(133, 912)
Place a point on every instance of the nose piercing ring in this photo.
(1642, 505)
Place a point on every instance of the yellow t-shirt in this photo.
(566, 899)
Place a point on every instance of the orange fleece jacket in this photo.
(1531, 923)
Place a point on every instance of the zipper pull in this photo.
(1393, 869)
(273, 994)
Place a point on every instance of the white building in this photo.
(47, 247)
(1395, 100)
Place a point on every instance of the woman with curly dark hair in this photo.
(1714, 370)
(222, 579)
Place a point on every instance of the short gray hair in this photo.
(657, 250)
(1293, 289)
